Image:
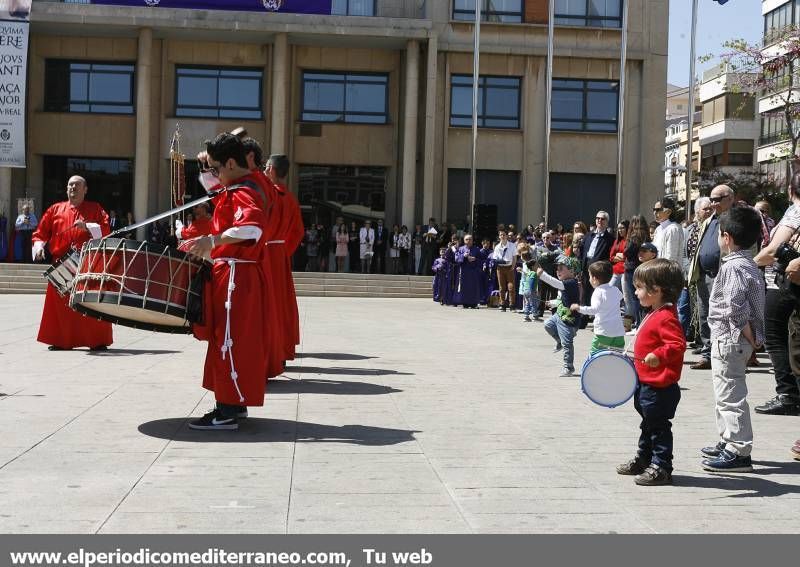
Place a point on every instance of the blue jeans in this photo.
(564, 335)
(685, 311)
(530, 304)
(656, 406)
(632, 307)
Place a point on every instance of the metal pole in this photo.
(690, 134)
(548, 108)
(623, 58)
(475, 74)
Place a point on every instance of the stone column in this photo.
(280, 93)
(429, 170)
(141, 178)
(410, 133)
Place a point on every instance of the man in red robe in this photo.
(236, 358)
(65, 226)
(289, 234)
(200, 226)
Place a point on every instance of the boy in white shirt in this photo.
(609, 332)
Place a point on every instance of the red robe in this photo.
(61, 326)
(240, 206)
(292, 231)
(199, 227)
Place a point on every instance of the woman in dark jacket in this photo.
(638, 234)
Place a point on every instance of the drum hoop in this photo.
(80, 308)
(618, 354)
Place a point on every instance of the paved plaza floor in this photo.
(397, 416)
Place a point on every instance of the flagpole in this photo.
(548, 108)
(690, 134)
(623, 58)
(475, 75)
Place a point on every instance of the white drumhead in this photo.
(608, 379)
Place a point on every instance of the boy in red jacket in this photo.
(658, 356)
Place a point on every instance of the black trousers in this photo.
(656, 406)
(778, 309)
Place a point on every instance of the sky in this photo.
(715, 25)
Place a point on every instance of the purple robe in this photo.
(450, 279)
(486, 274)
(468, 286)
(439, 267)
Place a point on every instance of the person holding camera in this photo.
(25, 225)
(781, 272)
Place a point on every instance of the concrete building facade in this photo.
(369, 107)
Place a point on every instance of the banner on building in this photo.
(284, 6)
(14, 28)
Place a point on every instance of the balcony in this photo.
(773, 138)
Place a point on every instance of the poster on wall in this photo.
(284, 6)
(14, 29)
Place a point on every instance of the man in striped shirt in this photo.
(736, 322)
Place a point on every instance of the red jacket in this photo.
(618, 248)
(660, 333)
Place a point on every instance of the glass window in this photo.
(498, 101)
(776, 21)
(591, 13)
(342, 190)
(110, 180)
(225, 92)
(583, 105)
(88, 87)
(345, 97)
(740, 106)
(505, 11)
(740, 152)
(353, 7)
(773, 129)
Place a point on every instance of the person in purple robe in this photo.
(468, 286)
(451, 273)
(439, 268)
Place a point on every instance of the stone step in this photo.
(35, 286)
(28, 278)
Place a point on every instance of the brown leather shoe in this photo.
(702, 364)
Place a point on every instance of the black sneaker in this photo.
(99, 348)
(213, 420)
(712, 452)
(653, 475)
(242, 413)
(632, 467)
(728, 462)
(779, 405)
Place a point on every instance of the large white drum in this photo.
(609, 378)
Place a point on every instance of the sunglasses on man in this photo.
(718, 199)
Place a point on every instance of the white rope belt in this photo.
(227, 344)
(275, 242)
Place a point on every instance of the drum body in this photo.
(609, 378)
(139, 284)
(62, 273)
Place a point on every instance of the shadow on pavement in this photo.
(333, 356)
(346, 371)
(331, 387)
(749, 485)
(259, 430)
(130, 352)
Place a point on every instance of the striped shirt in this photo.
(737, 298)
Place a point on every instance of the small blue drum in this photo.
(609, 378)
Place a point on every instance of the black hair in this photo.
(743, 224)
(226, 147)
(251, 145)
(602, 270)
(663, 274)
(280, 163)
(669, 203)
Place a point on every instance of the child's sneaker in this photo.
(653, 475)
(527, 319)
(795, 451)
(566, 372)
(633, 467)
(728, 461)
(214, 421)
(558, 347)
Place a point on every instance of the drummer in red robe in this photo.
(289, 234)
(66, 226)
(237, 356)
(200, 225)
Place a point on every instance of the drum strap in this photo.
(227, 344)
